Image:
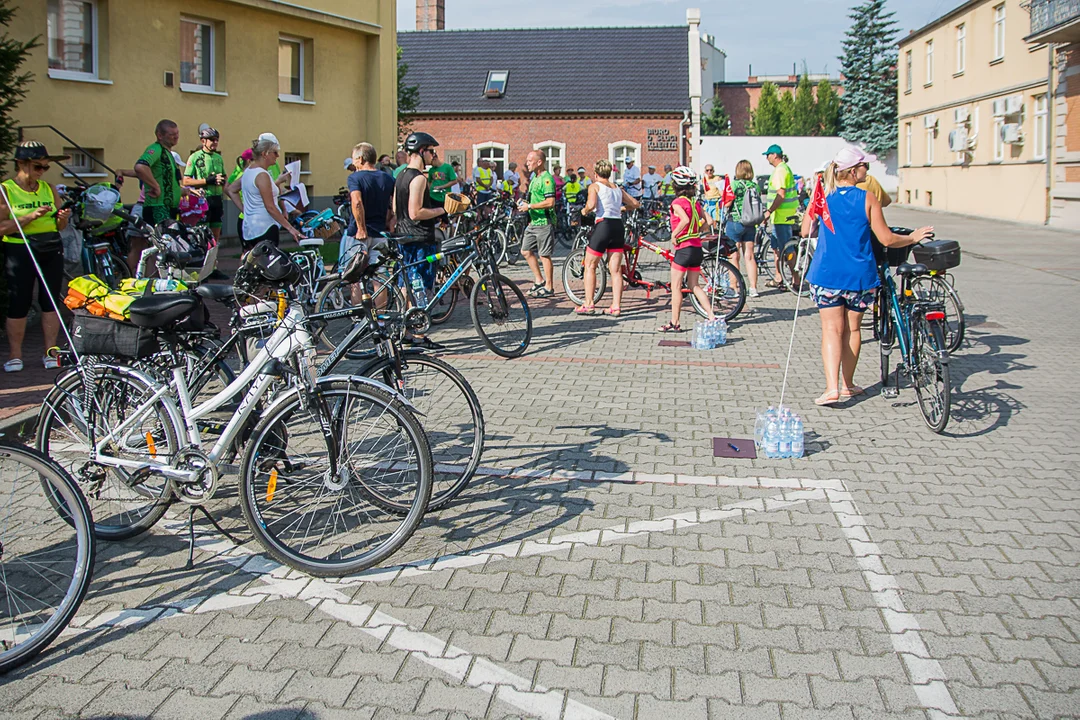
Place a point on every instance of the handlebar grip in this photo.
(126, 216)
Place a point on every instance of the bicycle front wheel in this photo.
(930, 372)
(46, 553)
(936, 289)
(334, 518)
(501, 315)
(724, 286)
(573, 278)
(793, 267)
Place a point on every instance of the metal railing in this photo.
(1046, 14)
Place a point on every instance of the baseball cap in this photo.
(628, 160)
(849, 157)
(581, 169)
(269, 136)
(774, 149)
(652, 167)
(348, 163)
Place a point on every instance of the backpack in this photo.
(753, 212)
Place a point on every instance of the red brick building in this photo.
(549, 89)
(740, 99)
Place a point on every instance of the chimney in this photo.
(430, 14)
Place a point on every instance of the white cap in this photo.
(269, 136)
(849, 157)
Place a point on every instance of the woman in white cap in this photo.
(263, 218)
(843, 275)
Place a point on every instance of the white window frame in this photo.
(505, 82)
(908, 69)
(999, 144)
(88, 169)
(929, 62)
(212, 52)
(1041, 127)
(961, 48)
(929, 146)
(61, 74)
(999, 32)
(612, 147)
(288, 97)
(907, 144)
(490, 145)
(551, 159)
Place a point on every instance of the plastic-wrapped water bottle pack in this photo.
(709, 334)
(779, 433)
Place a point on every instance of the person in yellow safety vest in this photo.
(511, 179)
(782, 204)
(572, 188)
(483, 180)
(667, 187)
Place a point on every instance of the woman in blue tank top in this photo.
(843, 275)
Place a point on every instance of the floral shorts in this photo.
(854, 300)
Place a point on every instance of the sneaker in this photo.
(754, 292)
(13, 365)
(51, 363)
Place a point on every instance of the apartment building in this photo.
(320, 74)
(974, 114)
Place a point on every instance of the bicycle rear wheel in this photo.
(724, 285)
(793, 266)
(501, 315)
(46, 553)
(336, 519)
(441, 311)
(573, 277)
(930, 372)
(936, 289)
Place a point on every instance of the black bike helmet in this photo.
(418, 141)
(208, 133)
(270, 264)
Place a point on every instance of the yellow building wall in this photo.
(353, 90)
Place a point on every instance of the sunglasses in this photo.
(863, 165)
(40, 166)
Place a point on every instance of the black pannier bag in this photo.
(939, 255)
(92, 335)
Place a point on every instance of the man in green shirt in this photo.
(159, 175)
(782, 204)
(441, 177)
(539, 237)
(205, 169)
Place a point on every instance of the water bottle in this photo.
(710, 335)
(797, 439)
(418, 290)
(785, 435)
(772, 436)
(759, 432)
(721, 331)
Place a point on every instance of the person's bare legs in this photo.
(850, 346)
(676, 295)
(50, 328)
(833, 326)
(699, 292)
(615, 266)
(549, 272)
(591, 261)
(534, 265)
(746, 250)
(16, 331)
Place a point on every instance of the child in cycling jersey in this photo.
(689, 222)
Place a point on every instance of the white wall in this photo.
(806, 154)
(712, 60)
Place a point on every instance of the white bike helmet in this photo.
(683, 176)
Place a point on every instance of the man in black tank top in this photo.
(417, 213)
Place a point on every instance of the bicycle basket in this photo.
(92, 335)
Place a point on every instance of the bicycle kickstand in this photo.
(191, 532)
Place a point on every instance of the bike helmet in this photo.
(417, 141)
(271, 265)
(208, 133)
(683, 176)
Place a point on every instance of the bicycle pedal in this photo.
(890, 392)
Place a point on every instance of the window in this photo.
(493, 151)
(496, 84)
(999, 31)
(929, 61)
(82, 162)
(295, 70)
(303, 158)
(1039, 141)
(555, 152)
(907, 143)
(907, 71)
(961, 48)
(72, 30)
(929, 146)
(999, 142)
(929, 198)
(619, 151)
(196, 55)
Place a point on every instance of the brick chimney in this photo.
(430, 14)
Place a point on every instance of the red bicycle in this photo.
(719, 278)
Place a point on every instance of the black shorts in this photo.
(22, 276)
(158, 214)
(688, 259)
(609, 235)
(273, 235)
(216, 212)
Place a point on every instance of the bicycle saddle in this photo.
(311, 242)
(454, 245)
(912, 269)
(155, 311)
(216, 293)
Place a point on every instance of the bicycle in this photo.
(326, 456)
(47, 552)
(915, 324)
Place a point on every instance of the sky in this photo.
(805, 30)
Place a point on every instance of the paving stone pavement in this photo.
(605, 565)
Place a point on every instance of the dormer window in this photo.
(496, 83)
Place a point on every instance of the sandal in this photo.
(613, 312)
(827, 399)
(773, 284)
(852, 391)
(13, 365)
(541, 291)
(585, 310)
(669, 328)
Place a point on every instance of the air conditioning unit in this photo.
(999, 107)
(961, 115)
(929, 121)
(958, 140)
(1014, 104)
(1011, 134)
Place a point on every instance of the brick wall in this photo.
(586, 138)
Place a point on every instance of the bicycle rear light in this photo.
(935, 315)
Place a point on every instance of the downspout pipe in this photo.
(1049, 131)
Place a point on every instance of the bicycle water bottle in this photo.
(797, 440)
(419, 293)
(772, 437)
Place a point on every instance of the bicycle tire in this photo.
(61, 435)
(573, 278)
(42, 514)
(883, 331)
(395, 507)
(454, 426)
(335, 295)
(493, 298)
(441, 311)
(930, 372)
(938, 290)
(789, 259)
(730, 297)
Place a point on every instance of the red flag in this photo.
(818, 206)
(728, 196)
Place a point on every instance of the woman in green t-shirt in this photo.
(743, 235)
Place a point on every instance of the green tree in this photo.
(13, 83)
(805, 119)
(717, 121)
(868, 108)
(828, 109)
(766, 119)
(408, 98)
(787, 114)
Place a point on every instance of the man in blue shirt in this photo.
(370, 194)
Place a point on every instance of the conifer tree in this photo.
(717, 121)
(787, 114)
(828, 109)
(805, 119)
(767, 117)
(868, 108)
(13, 83)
